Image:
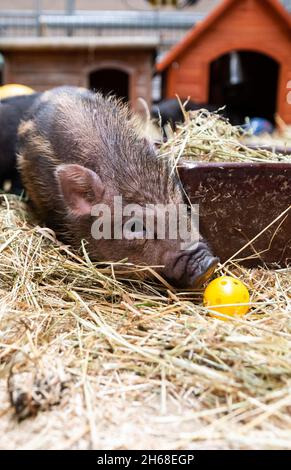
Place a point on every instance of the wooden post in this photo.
(70, 10)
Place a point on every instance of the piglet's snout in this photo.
(191, 268)
(204, 271)
(200, 265)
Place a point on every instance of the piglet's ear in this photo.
(80, 187)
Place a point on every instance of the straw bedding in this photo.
(91, 361)
(208, 137)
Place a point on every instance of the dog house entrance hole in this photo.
(110, 80)
(246, 82)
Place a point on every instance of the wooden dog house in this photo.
(120, 65)
(240, 55)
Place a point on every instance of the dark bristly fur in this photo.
(12, 110)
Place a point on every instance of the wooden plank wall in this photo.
(42, 70)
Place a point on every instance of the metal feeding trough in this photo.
(243, 205)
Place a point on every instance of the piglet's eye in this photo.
(137, 226)
(134, 229)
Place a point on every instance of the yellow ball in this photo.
(13, 89)
(227, 291)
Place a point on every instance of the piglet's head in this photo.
(82, 190)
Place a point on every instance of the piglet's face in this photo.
(146, 235)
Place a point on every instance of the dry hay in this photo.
(91, 361)
(208, 137)
(280, 137)
(88, 361)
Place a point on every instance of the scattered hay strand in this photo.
(89, 359)
(208, 137)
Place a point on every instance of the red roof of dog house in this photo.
(262, 26)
